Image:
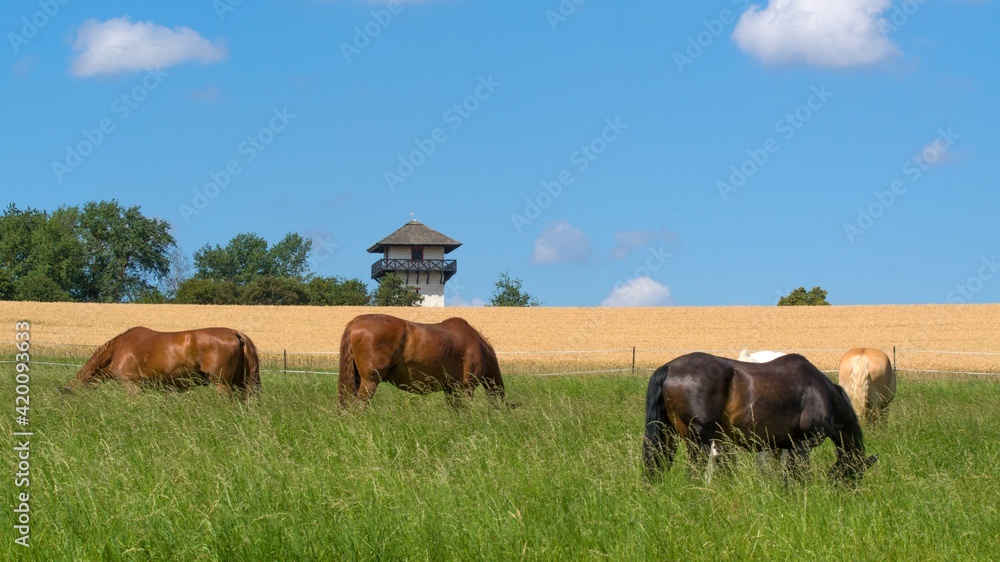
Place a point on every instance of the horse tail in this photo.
(349, 377)
(249, 368)
(659, 444)
(858, 383)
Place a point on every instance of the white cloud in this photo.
(208, 95)
(458, 301)
(118, 45)
(561, 242)
(641, 291)
(935, 153)
(627, 241)
(826, 33)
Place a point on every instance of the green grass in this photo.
(191, 476)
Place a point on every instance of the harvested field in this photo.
(821, 333)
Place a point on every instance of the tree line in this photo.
(106, 252)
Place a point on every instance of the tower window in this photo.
(416, 253)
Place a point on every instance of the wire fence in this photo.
(547, 363)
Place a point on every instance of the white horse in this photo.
(759, 356)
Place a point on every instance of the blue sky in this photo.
(618, 153)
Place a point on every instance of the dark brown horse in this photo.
(450, 356)
(786, 403)
(140, 356)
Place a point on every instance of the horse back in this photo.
(376, 334)
(401, 349)
(786, 396)
(452, 343)
(203, 349)
(750, 401)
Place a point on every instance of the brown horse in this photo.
(783, 404)
(140, 356)
(867, 376)
(450, 356)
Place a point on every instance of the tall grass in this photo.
(192, 476)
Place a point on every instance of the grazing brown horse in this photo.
(140, 356)
(450, 356)
(783, 404)
(867, 376)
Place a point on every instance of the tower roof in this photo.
(415, 233)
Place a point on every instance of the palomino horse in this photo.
(138, 356)
(867, 376)
(450, 356)
(759, 356)
(786, 403)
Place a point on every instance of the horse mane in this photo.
(489, 347)
(486, 342)
(100, 355)
(846, 417)
(482, 339)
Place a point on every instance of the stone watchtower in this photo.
(416, 254)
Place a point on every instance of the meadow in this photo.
(192, 476)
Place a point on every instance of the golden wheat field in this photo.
(596, 336)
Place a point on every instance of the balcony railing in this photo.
(448, 268)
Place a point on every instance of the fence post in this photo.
(633, 359)
(284, 353)
(893, 358)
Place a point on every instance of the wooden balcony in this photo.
(448, 268)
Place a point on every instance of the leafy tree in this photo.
(208, 291)
(8, 291)
(275, 291)
(335, 291)
(247, 257)
(799, 297)
(34, 245)
(508, 293)
(124, 251)
(101, 253)
(37, 286)
(60, 252)
(240, 261)
(152, 296)
(290, 257)
(392, 291)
